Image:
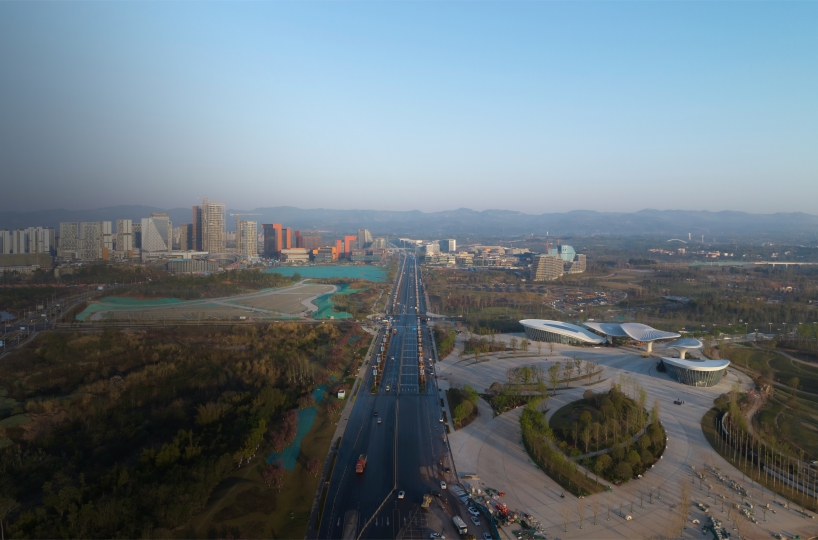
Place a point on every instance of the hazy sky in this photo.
(531, 106)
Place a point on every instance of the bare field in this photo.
(267, 304)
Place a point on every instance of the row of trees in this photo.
(539, 443)
(463, 402)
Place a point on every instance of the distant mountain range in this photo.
(797, 227)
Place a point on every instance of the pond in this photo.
(366, 273)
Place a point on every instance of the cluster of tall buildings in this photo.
(556, 262)
(154, 238)
(287, 245)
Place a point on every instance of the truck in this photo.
(460, 525)
(361, 464)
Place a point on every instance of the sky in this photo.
(422, 105)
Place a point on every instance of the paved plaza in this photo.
(491, 448)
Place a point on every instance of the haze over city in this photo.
(526, 106)
(409, 270)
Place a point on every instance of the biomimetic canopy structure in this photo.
(559, 332)
(634, 331)
(683, 345)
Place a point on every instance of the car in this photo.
(376, 413)
(447, 470)
(379, 420)
(388, 388)
(437, 535)
(436, 493)
(441, 420)
(442, 484)
(475, 520)
(401, 494)
(486, 536)
(473, 511)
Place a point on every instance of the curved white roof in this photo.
(637, 331)
(686, 343)
(697, 365)
(566, 329)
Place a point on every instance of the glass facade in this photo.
(694, 377)
(535, 334)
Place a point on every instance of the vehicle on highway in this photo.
(360, 465)
(473, 511)
(441, 420)
(460, 525)
(486, 536)
(475, 520)
(376, 413)
(388, 388)
(401, 494)
(437, 535)
(447, 470)
(442, 484)
(436, 493)
(379, 420)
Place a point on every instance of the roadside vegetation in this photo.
(133, 434)
(444, 340)
(463, 404)
(215, 285)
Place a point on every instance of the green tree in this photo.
(585, 418)
(462, 411)
(634, 458)
(471, 394)
(602, 464)
(553, 375)
(623, 470)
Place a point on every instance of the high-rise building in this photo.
(212, 227)
(577, 266)
(137, 235)
(272, 239)
(69, 240)
(95, 240)
(156, 234)
(339, 248)
(448, 246)
(5, 242)
(573, 263)
(309, 240)
(183, 241)
(124, 236)
(246, 238)
(364, 238)
(378, 243)
(546, 268)
(349, 244)
(29, 240)
(325, 254)
(196, 229)
(286, 238)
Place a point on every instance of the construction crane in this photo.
(238, 229)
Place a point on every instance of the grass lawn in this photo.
(786, 369)
(748, 358)
(245, 507)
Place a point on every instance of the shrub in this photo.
(623, 470)
(618, 452)
(585, 418)
(646, 456)
(588, 395)
(633, 458)
(602, 464)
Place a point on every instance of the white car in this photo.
(401, 494)
(486, 536)
(442, 484)
(437, 535)
(475, 521)
(441, 420)
(473, 511)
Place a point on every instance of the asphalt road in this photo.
(405, 450)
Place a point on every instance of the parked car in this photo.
(473, 511)
(437, 535)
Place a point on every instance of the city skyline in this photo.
(593, 106)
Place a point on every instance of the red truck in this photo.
(359, 467)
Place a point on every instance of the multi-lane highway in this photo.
(407, 450)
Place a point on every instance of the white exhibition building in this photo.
(686, 370)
